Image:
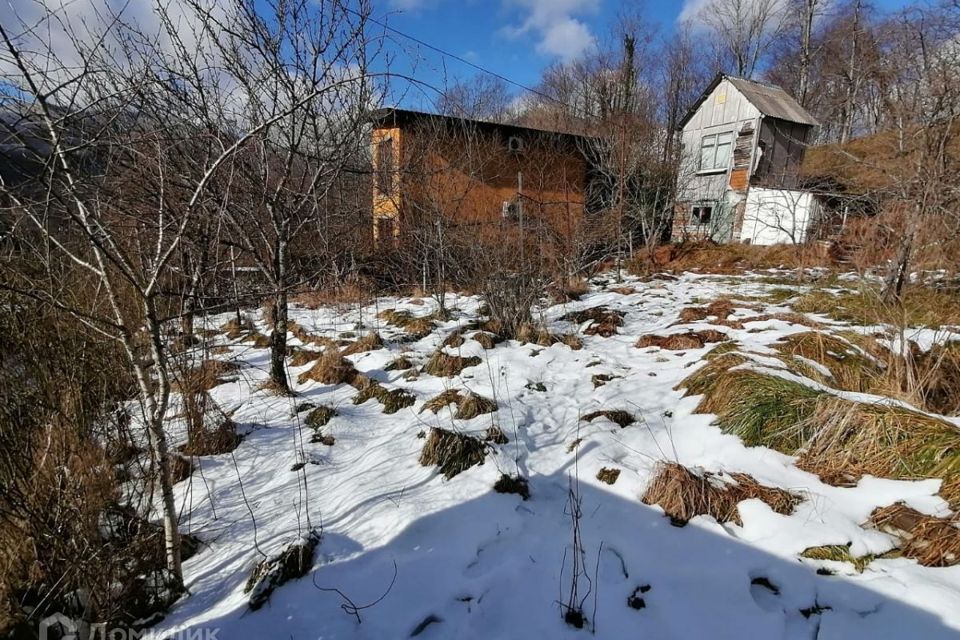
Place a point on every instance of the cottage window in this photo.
(701, 215)
(715, 151)
(385, 167)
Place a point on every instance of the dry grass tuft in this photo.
(938, 371)
(683, 494)
(922, 307)
(838, 553)
(495, 435)
(682, 341)
(534, 334)
(445, 365)
(473, 405)
(624, 291)
(300, 357)
(931, 541)
(258, 340)
(400, 363)
(513, 484)
(370, 342)
(851, 370)
(850, 439)
(792, 318)
(619, 416)
(452, 452)
(608, 475)
(838, 439)
(415, 326)
(207, 375)
(486, 339)
(304, 336)
(441, 401)
(393, 400)
(455, 339)
(721, 309)
(709, 257)
(331, 368)
(469, 405)
(319, 417)
(762, 409)
(218, 435)
(571, 340)
(603, 321)
(234, 329)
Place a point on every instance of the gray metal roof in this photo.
(773, 101)
(769, 99)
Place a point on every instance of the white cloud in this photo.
(555, 24)
(691, 10)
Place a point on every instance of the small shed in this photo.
(742, 135)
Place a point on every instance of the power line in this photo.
(459, 59)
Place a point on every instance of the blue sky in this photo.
(515, 38)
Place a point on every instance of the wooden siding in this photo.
(783, 144)
(386, 207)
(466, 176)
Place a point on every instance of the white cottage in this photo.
(743, 143)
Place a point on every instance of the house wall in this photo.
(783, 144)
(777, 216)
(725, 110)
(466, 176)
(386, 208)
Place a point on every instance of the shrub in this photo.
(509, 298)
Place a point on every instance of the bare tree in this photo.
(744, 31)
(299, 74)
(139, 137)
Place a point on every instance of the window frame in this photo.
(712, 141)
(385, 170)
(695, 213)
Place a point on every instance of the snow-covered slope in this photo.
(453, 559)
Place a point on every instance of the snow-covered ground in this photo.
(453, 559)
